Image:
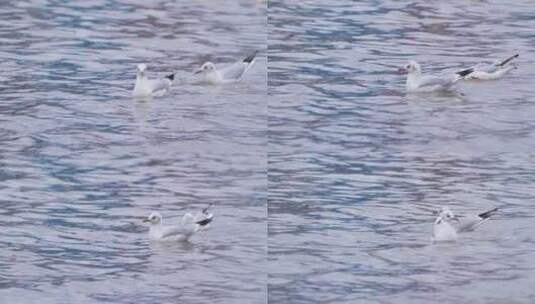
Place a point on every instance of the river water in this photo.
(357, 167)
(81, 162)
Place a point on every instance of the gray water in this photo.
(81, 162)
(357, 167)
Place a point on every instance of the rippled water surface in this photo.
(81, 162)
(357, 167)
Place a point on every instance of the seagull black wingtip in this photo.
(507, 60)
(170, 77)
(250, 58)
(487, 214)
(465, 72)
(205, 221)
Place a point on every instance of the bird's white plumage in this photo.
(210, 74)
(182, 231)
(146, 87)
(493, 71)
(470, 222)
(417, 82)
(443, 231)
(447, 225)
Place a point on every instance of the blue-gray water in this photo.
(81, 162)
(356, 167)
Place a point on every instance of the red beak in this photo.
(402, 71)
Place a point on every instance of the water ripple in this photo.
(82, 162)
(357, 167)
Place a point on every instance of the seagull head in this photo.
(447, 215)
(411, 67)
(154, 218)
(205, 68)
(141, 67)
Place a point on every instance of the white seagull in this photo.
(492, 71)
(146, 87)
(232, 73)
(417, 83)
(187, 227)
(445, 230)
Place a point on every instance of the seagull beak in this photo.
(402, 71)
(197, 71)
(145, 220)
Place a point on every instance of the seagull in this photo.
(417, 83)
(493, 71)
(445, 230)
(232, 73)
(187, 227)
(442, 229)
(146, 87)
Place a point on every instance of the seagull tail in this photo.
(487, 214)
(249, 59)
(171, 77)
(466, 72)
(209, 216)
(205, 210)
(503, 63)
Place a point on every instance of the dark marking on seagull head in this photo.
(154, 218)
(205, 68)
(446, 214)
(411, 67)
(141, 67)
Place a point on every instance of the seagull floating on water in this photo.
(146, 87)
(232, 73)
(188, 226)
(445, 230)
(416, 82)
(492, 71)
